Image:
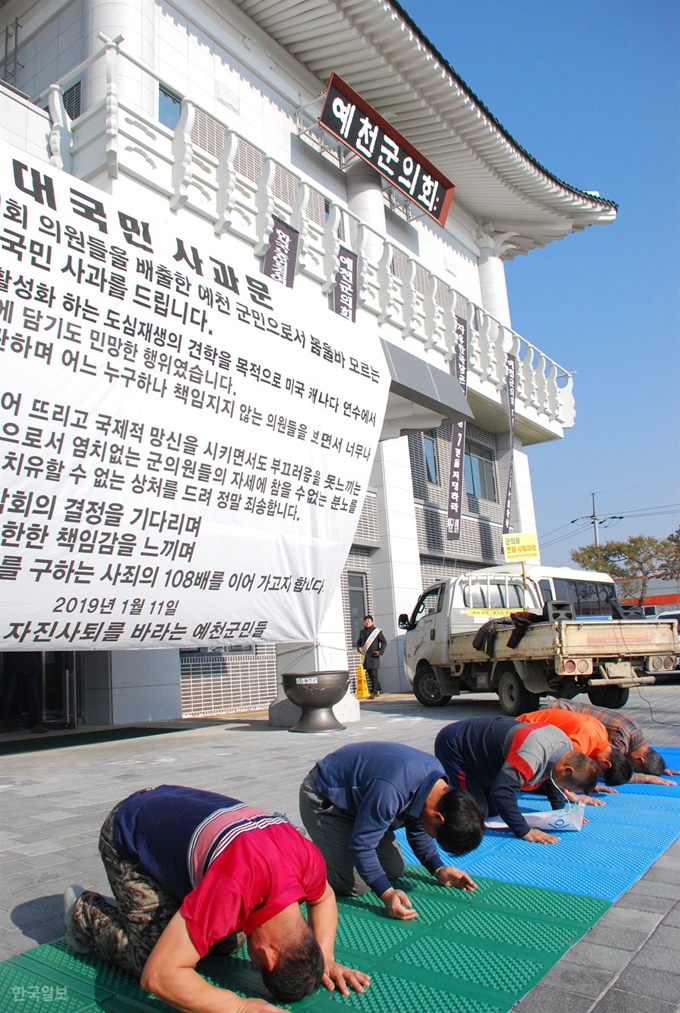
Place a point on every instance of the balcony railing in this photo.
(216, 172)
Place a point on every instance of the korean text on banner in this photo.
(457, 466)
(511, 377)
(521, 547)
(185, 443)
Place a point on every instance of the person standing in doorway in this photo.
(371, 646)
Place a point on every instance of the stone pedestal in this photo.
(329, 652)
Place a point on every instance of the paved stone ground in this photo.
(52, 803)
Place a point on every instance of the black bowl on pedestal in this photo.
(316, 693)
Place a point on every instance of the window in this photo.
(429, 604)
(169, 108)
(516, 596)
(72, 101)
(358, 606)
(480, 472)
(430, 451)
(482, 593)
(475, 595)
(589, 598)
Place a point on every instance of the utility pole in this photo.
(596, 530)
(596, 520)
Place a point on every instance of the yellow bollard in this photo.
(362, 684)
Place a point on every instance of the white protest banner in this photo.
(184, 444)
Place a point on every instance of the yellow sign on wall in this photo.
(519, 547)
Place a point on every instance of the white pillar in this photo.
(328, 654)
(522, 516)
(365, 199)
(135, 20)
(492, 280)
(395, 566)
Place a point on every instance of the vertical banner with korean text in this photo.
(511, 375)
(457, 468)
(345, 291)
(185, 443)
(280, 259)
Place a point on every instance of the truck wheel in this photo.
(426, 688)
(609, 696)
(513, 695)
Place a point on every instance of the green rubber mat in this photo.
(466, 953)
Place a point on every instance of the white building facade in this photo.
(209, 109)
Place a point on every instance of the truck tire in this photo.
(426, 688)
(513, 695)
(609, 696)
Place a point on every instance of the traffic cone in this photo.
(362, 685)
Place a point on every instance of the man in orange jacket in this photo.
(589, 736)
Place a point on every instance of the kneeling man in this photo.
(354, 798)
(190, 868)
(589, 736)
(494, 758)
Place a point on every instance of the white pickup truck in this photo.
(559, 656)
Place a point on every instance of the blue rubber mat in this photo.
(616, 847)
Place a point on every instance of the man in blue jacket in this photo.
(353, 800)
(494, 758)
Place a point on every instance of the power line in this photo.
(613, 519)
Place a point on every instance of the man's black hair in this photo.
(299, 970)
(586, 773)
(463, 826)
(368, 617)
(654, 763)
(620, 770)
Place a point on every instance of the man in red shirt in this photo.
(191, 868)
(588, 736)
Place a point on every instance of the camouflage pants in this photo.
(125, 932)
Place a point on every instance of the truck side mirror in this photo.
(403, 623)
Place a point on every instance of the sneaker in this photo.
(71, 895)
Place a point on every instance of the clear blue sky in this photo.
(591, 88)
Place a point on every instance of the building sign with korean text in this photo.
(345, 292)
(185, 443)
(353, 121)
(511, 379)
(458, 430)
(280, 259)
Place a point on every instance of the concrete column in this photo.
(365, 199)
(328, 654)
(395, 566)
(492, 281)
(522, 516)
(135, 20)
(145, 686)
